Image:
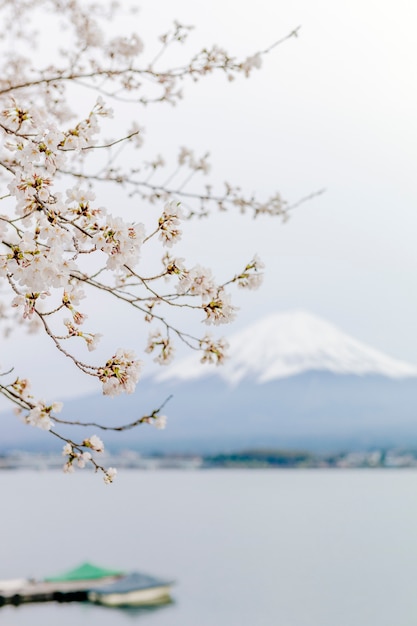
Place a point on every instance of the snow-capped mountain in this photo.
(292, 380)
(288, 344)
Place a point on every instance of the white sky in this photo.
(334, 108)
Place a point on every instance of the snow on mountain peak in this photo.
(286, 344)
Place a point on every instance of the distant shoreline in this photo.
(243, 459)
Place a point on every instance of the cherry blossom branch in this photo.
(54, 239)
(146, 419)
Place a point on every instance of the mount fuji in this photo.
(289, 344)
(292, 380)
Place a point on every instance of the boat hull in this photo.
(138, 597)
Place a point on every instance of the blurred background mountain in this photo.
(292, 381)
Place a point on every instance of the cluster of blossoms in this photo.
(109, 475)
(216, 302)
(169, 233)
(220, 310)
(159, 421)
(120, 241)
(251, 63)
(57, 245)
(166, 349)
(214, 351)
(40, 414)
(95, 443)
(252, 276)
(78, 457)
(187, 157)
(120, 374)
(125, 47)
(198, 281)
(173, 266)
(48, 233)
(28, 302)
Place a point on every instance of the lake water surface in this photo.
(247, 548)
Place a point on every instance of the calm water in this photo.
(258, 548)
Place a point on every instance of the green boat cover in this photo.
(85, 571)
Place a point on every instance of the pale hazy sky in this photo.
(334, 108)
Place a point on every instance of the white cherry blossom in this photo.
(120, 374)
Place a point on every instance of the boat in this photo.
(135, 589)
(88, 582)
(68, 586)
